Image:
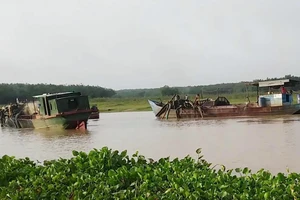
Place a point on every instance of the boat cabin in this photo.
(55, 103)
(279, 98)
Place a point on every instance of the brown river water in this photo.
(269, 143)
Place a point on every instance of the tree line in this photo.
(214, 89)
(9, 92)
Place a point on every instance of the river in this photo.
(269, 143)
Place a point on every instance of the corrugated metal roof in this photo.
(273, 83)
(280, 82)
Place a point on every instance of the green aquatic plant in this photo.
(110, 174)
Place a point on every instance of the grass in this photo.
(121, 104)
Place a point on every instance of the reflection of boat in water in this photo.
(95, 112)
(270, 104)
(68, 110)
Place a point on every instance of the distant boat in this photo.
(268, 104)
(67, 110)
(95, 113)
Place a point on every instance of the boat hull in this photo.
(63, 121)
(94, 115)
(227, 111)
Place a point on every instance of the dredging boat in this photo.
(267, 104)
(67, 110)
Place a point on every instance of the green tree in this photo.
(167, 91)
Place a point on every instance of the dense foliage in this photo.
(9, 92)
(107, 174)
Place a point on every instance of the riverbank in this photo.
(141, 104)
(121, 104)
(110, 174)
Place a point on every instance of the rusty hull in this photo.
(243, 110)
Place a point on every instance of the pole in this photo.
(257, 96)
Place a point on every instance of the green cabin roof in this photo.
(58, 95)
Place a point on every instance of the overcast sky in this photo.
(148, 43)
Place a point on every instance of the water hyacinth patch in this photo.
(109, 174)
